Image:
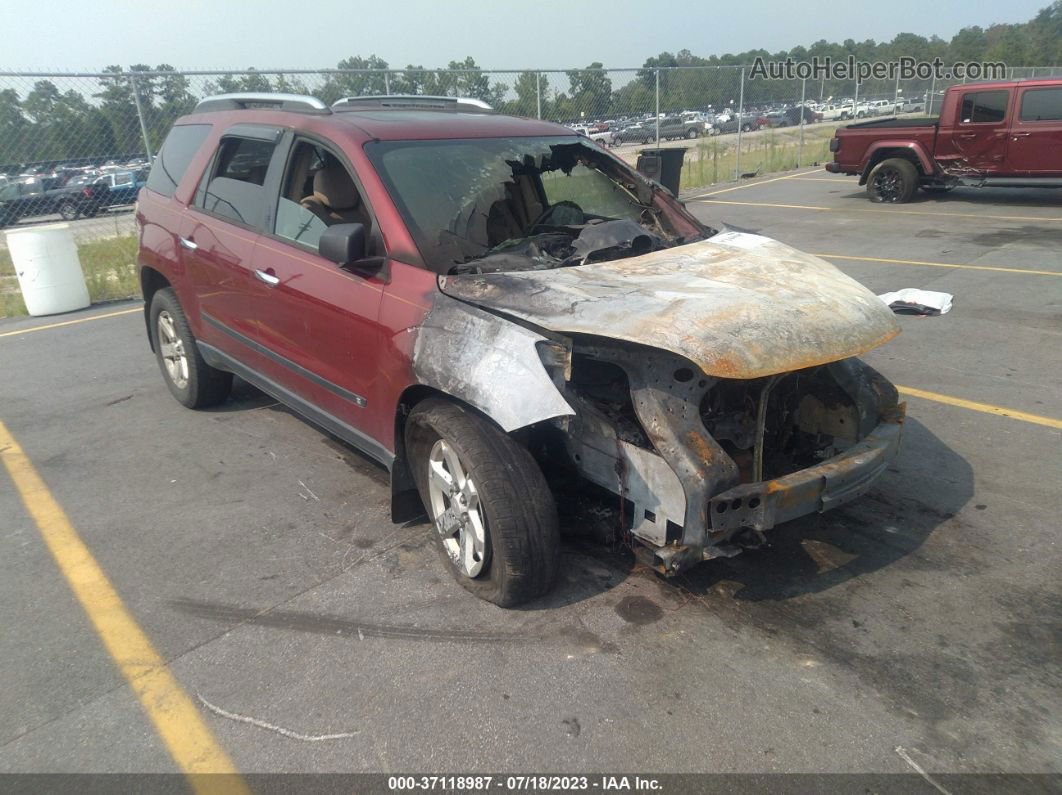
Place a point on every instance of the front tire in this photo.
(892, 181)
(193, 382)
(495, 522)
(68, 211)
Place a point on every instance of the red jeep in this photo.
(489, 306)
(1002, 134)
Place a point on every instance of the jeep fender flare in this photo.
(880, 150)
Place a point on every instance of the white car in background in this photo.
(603, 137)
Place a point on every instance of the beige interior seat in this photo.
(335, 200)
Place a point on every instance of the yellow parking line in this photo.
(176, 718)
(987, 408)
(72, 322)
(940, 264)
(976, 216)
(766, 204)
(761, 182)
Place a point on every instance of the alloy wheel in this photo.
(456, 510)
(171, 347)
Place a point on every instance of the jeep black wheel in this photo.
(495, 523)
(892, 181)
(68, 210)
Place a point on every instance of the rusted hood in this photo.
(737, 305)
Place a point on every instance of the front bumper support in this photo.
(760, 506)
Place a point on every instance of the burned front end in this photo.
(704, 465)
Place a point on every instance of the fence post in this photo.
(740, 124)
(538, 94)
(803, 109)
(932, 94)
(896, 94)
(140, 115)
(387, 82)
(658, 107)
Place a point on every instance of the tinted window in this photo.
(177, 152)
(984, 106)
(1042, 104)
(235, 190)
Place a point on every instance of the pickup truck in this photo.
(43, 196)
(998, 134)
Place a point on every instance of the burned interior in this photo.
(520, 204)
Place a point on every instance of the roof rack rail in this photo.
(295, 102)
(413, 102)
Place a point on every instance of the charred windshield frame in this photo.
(483, 204)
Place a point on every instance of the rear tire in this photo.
(499, 535)
(68, 210)
(892, 181)
(193, 382)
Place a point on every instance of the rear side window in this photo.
(235, 190)
(983, 106)
(177, 152)
(1042, 104)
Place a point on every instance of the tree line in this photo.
(47, 123)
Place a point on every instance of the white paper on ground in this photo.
(910, 295)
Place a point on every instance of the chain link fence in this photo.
(78, 146)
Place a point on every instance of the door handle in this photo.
(268, 278)
(1020, 135)
(967, 135)
(188, 244)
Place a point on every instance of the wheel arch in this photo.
(406, 503)
(907, 150)
(151, 281)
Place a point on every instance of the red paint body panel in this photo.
(1009, 147)
(330, 336)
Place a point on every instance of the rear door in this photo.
(1035, 146)
(219, 233)
(979, 134)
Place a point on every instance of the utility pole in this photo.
(140, 115)
(658, 107)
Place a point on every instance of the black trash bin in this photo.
(662, 165)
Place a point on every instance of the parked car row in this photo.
(70, 193)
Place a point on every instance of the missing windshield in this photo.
(489, 205)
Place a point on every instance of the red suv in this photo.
(492, 307)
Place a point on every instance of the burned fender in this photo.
(488, 362)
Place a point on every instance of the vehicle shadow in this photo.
(979, 197)
(926, 486)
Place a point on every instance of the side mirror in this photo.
(343, 244)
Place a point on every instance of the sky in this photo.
(65, 35)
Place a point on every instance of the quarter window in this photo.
(983, 107)
(177, 152)
(1041, 104)
(235, 190)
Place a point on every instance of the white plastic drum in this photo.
(49, 272)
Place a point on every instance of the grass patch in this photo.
(715, 160)
(109, 266)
